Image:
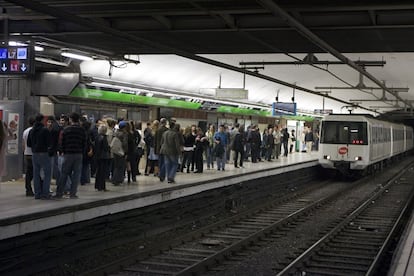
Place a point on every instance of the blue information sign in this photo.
(15, 60)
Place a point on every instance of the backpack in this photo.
(219, 150)
(138, 149)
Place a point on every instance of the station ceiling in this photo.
(224, 32)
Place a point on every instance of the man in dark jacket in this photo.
(72, 148)
(39, 141)
(158, 135)
(238, 146)
(170, 149)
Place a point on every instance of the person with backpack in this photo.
(102, 155)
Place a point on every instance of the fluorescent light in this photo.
(51, 61)
(39, 49)
(15, 43)
(76, 56)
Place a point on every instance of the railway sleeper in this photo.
(362, 233)
(245, 226)
(357, 246)
(356, 241)
(349, 249)
(316, 272)
(336, 259)
(148, 271)
(227, 239)
(192, 250)
(183, 254)
(171, 266)
(352, 268)
(174, 260)
(345, 255)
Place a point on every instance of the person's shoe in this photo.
(170, 181)
(29, 194)
(236, 166)
(74, 197)
(162, 179)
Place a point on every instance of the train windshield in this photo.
(334, 132)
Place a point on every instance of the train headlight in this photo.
(328, 157)
(358, 158)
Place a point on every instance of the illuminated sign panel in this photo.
(279, 109)
(232, 93)
(15, 60)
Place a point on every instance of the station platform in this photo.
(20, 215)
(403, 260)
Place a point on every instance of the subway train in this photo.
(356, 145)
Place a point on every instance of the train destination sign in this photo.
(15, 60)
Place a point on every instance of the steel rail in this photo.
(321, 242)
(212, 260)
(128, 260)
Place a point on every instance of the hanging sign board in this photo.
(16, 60)
(323, 111)
(232, 93)
(279, 109)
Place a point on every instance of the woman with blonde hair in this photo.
(188, 149)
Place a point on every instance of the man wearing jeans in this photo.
(72, 148)
(28, 158)
(39, 141)
(171, 148)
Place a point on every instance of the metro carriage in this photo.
(356, 145)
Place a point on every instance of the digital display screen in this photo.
(279, 109)
(15, 60)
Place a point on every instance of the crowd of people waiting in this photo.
(72, 151)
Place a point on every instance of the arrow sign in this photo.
(4, 67)
(23, 67)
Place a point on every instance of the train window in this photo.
(333, 132)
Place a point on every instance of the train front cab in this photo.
(344, 145)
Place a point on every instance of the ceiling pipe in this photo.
(67, 16)
(278, 11)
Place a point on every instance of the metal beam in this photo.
(304, 31)
(364, 63)
(394, 89)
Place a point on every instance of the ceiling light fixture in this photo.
(51, 61)
(76, 56)
(16, 43)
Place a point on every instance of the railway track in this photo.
(213, 249)
(358, 244)
(206, 248)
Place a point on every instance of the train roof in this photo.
(364, 117)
